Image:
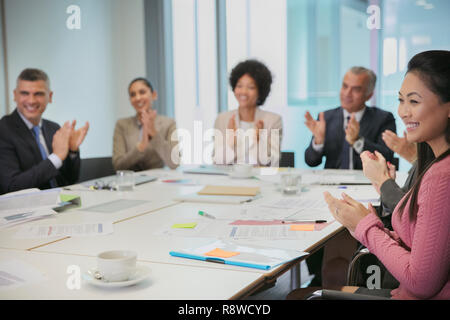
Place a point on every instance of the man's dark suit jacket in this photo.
(372, 125)
(21, 164)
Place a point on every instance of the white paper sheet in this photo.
(271, 232)
(15, 273)
(63, 230)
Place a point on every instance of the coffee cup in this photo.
(116, 265)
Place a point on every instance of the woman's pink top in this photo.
(416, 253)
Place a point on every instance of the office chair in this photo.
(287, 159)
(357, 276)
(359, 272)
(93, 168)
(396, 163)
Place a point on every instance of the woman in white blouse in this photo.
(248, 134)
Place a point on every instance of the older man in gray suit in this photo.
(343, 133)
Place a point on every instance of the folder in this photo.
(263, 258)
(229, 191)
(208, 169)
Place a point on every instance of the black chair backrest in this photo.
(93, 168)
(396, 163)
(287, 160)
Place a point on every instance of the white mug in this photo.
(116, 265)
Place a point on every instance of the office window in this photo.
(325, 39)
(195, 74)
(409, 27)
(308, 45)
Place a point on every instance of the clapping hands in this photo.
(317, 128)
(68, 138)
(401, 146)
(352, 130)
(376, 169)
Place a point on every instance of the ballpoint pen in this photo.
(207, 215)
(304, 221)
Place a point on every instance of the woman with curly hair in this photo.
(248, 135)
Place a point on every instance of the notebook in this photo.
(251, 256)
(229, 191)
(208, 169)
(138, 179)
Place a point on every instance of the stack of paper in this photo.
(27, 205)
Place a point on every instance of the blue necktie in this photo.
(345, 155)
(53, 183)
(41, 147)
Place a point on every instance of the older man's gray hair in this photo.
(371, 76)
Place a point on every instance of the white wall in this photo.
(89, 69)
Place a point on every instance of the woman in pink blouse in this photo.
(417, 252)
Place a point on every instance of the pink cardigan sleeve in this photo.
(423, 269)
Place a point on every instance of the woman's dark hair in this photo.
(145, 81)
(433, 68)
(259, 72)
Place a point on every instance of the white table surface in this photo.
(137, 229)
(166, 281)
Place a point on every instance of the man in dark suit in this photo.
(343, 133)
(34, 152)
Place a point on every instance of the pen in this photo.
(313, 221)
(207, 215)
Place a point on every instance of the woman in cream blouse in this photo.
(248, 135)
(145, 140)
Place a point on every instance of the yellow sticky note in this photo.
(302, 227)
(184, 225)
(221, 253)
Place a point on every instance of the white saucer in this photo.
(141, 273)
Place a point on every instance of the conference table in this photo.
(55, 268)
